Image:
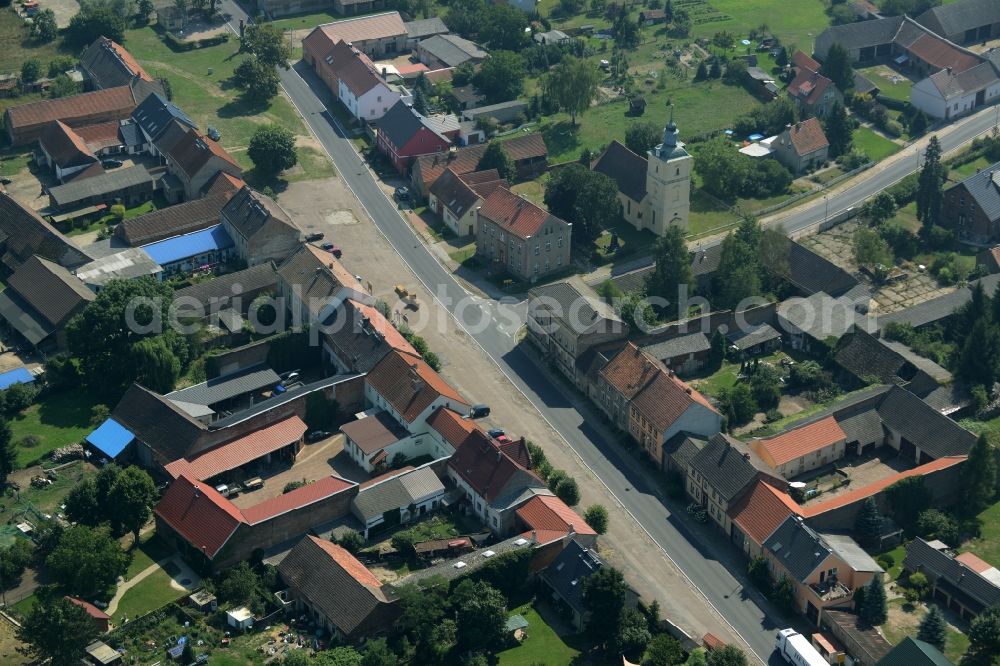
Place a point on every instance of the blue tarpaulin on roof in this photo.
(16, 376)
(189, 245)
(110, 438)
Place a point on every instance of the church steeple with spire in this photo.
(668, 181)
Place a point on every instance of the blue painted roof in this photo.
(16, 376)
(189, 245)
(110, 438)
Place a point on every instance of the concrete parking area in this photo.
(315, 461)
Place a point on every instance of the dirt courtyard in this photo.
(861, 471)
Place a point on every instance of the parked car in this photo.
(291, 374)
(402, 193)
(312, 238)
(213, 133)
(256, 483)
(223, 490)
(479, 411)
(495, 432)
(5, 181)
(333, 249)
(317, 435)
(111, 164)
(503, 439)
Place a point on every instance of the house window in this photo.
(559, 242)
(548, 246)
(559, 260)
(496, 523)
(535, 269)
(678, 171)
(379, 98)
(536, 249)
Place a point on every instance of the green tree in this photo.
(984, 635)
(908, 498)
(496, 157)
(701, 73)
(87, 560)
(632, 633)
(297, 658)
(721, 168)
(8, 452)
(870, 249)
(420, 102)
(979, 359)
(625, 31)
(738, 276)
(568, 491)
(643, 136)
(93, 21)
(597, 517)
(155, 364)
(57, 630)
(717, 351)
(586, 198)
(258, 81)
(933, 628)
(573, 85)
(43, 26)
(918, 123)
(979, 479)
(715, 70)
(874, 610)
(868, 524)
(267, 42)
(502, 28)
(338, 656)
(837, 67)
(481, 617)
(144, 9)
(63, 86)
(351, 541)
(82, 505)
(272, 149)
(730, 655)
(635, 311)
(838, 129)
(604, 596)
(501, 76)
(104, 332)
(672, 270)
(929, 193)
(240, 584)
(130, 500)
(664, 650)
(377, 653)
(31, 70)
(421, 620)
(783, 593)
(879, 208)
(738, 404)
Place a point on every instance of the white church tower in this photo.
(668, 182)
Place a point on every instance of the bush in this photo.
(904, 191)
(351, 541)
(180, 46)
(893, 128)
(292, 485)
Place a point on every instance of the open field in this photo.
(875, 146)
(987, 546)
(58, 420)
(18, 45)
(890, 83)
(904, 620)
(149, 594)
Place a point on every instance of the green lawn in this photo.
(963, 171)
(18, 45)
(149, 594)
(60, 419)
(630, 239)
(14, 162)
(200, 83)
(708, 215)
(151, 550)
(542, 646)
(987, 546)
(306, 21)
(890, 83)
(715, 383)
(956, 643)
(897, 554)
(875, 146)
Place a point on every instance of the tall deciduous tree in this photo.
(130, 499)
(57, 629)
(156, 365)
(87, 560)
(267, 42)
(8, 452)
(929, 187)
(979, 480)
(44, 26)
(502, 27)
(586, 198)
(272, 149)
(979, 361)
(672, 271)
(837, 67)
(604, 596)
(482, 615)
(258, 81)
(573, 85)
(984, 635)
(722, 169)
(730, 655)
(496, 157)
(597, 517)
(642, 136)
(501, 76)
(739, 271)
(879, 208)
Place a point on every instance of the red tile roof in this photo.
(202, 516)
(807, 136)
(92, 610)
(110, 100)
(760, 511)
(192, 151)
(389, 333)
(488, 470)
(129, 60)
(348, 562)
(100, 136)
(808, 87)
(359, 75)
(64, 146)
(874, 488)
(941, 53)
(630, 371)
(224, 183)
(547, 512)
(239, 451)
(794, 444)
(409, 385)
(973, 561)
(515, 213)
(296, 499)
(804, 61)
(451, 426)
(374, 26)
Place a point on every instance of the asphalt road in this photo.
(700, 554)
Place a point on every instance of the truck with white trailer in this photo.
(797, 650)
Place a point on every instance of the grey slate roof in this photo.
(397, 492)
(401, 122)
(568, 571)
(682, 447)
(954, 19)
(250, 280)
(813, 273)
(929, 430)
(729, 465)
(938, 308)
(106, 183)
(425, 28)
(627, 169)
(130, 135)
(692, 343)
(227, 386)
(974, 79)
(913, 652)
(858, 35)
(798, 547)
(984, 187)
(452, 50)
(753, 336)
(819, 316)
(24, 233)
(156, 112)
(958, 580)
(560, 299)
(865, 356)
(863, 426)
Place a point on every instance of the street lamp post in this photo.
(826, 208)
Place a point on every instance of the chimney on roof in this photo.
(534, 536)
(571, 531)
(687, 389)
(197, 490)
(746, 456)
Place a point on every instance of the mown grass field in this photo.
(59, 420)
(875, 146)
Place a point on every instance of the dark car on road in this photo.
(402, 193)
(111, 164)
(312, 238)
(317, 435)
(479, 411)
(332, 249)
